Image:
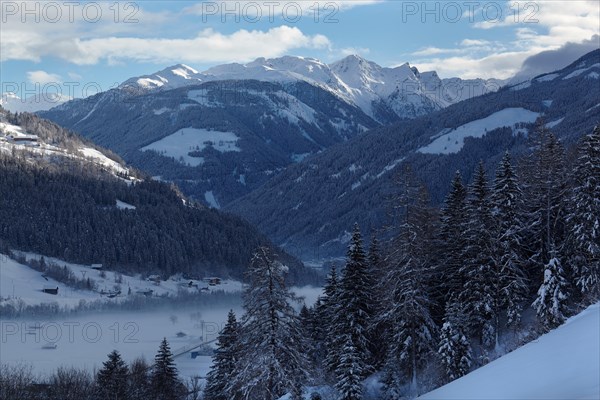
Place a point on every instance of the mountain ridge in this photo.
(354, 79)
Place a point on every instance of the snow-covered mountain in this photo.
(252, 120)
(353, 175)
(382, 93)
(219, 139)
(13, 103)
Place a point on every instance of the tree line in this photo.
(499, 264)
(114, 380)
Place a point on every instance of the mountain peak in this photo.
(354, 58)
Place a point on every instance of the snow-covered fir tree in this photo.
(507, 199)
(164, 382)
(545, 187)
(353, 313)
(413, 333)
(272, 360)
(326, 312)
(551, 301)
(350, 371)
(454, 348)
(584, 219)
(480, 294)
(111, 380)
(224, 362)
(452, 238)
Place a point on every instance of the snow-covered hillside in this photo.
(563, 364)
(450, 141)
(186, 140)
(374, 89)
(20, 283)
(15, 138)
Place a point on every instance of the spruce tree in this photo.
(350, 371)
(584, 219)
(271, 362)
(452, 238)
(454, 347)
(354, 309)
(545, 187)
(111, 380)
(480, 295)
(551, 301)
(164, 383)
(413, 334)
(326, 314)
(507, 199)
(224, 362)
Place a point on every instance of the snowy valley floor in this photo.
(563, 364)
(85, 338)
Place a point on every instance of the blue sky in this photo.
(84, 47)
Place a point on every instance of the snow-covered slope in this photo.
(20, 283)
(563, 364)
(382, 93)
(169, 78)
(588, 66)
(450, 141)
(46, 101)
(15, 138)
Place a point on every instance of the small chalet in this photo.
(23, 139)
(50, 289)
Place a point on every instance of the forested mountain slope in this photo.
(56, 203)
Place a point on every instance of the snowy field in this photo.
(85, 339)
(563, 364)
(185, 140)
(454, 140)
(20, 283)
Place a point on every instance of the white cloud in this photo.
(556, 24)
(431, 51)
(150, 39)
(474, 42)
(206, 46)
(348, 51)
(43, 77)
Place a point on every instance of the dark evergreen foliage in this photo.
(111, 379)
(224, 362)
(164, 381)
(353, 313)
